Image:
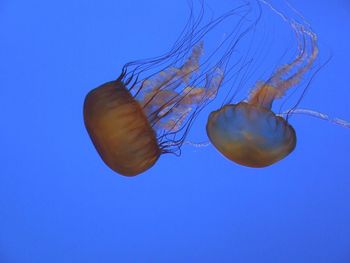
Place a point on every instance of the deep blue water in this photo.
(60, 203)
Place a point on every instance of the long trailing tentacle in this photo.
(179, 86)
(319, 115)
(289, 75)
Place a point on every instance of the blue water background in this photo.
(60, 203)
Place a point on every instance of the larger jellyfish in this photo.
(250, 133)
(136, 118)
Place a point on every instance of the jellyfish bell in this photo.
(149, 109)
(119, 129)
(254, 136)
(250, 133)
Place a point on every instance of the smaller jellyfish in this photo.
(250, 133)
(149, 109)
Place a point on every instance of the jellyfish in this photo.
(149, 109)
(249, 132)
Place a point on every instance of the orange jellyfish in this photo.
(136, 118)
(250, 133)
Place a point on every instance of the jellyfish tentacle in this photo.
(171, 78)
(197, 144)
(296, 77)
(319, 115)
(285, 69)
(190, 96)
(289, 75)
(249, 132)
(149, 109)
(162, 102)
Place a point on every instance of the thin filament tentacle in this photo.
(319, 115)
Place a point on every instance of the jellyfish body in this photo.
(120, 130)
(129, 131)
(148, 111)
(249, 133)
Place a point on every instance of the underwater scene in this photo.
(175, 131)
